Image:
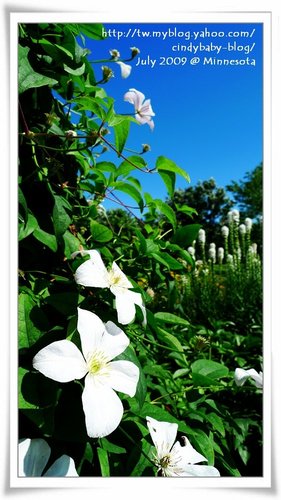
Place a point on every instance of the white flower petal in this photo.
(33, 457)
(146, 109)
(124, 376)
(187, 452)
(119, 279)
(257, 377)
(62, 467)
(61, 361)
(125, 305)
(125, 69)
(114, 340)
(240, 376)
(137, 299)
(102, 407)
(198, 470)
(91, 330)
(92, 272)
(135, 97)
(163, 435)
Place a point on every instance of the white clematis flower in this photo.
(33, 458)
(174, 459)
(94, 273)
(241, 375)
(142, 107)
(101, 343)
(125, 69)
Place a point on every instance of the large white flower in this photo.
(94, 273)
(241, 375)
(33, 458)
(174, 459)
(100, 343)
(142, 107)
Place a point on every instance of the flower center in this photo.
(98, 363)
(164, 462)
(114, 279)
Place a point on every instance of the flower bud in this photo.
(70, 134)
(191, 250)
(212, 254)
(135, 51)
(201, 236)
(114, 53)
(220, 254)
(229, 259)
(213, 245)
(225, 231)
(150, 292)
(145, 148)
(255, 248)
(235, 216)
(107, 73)
(242, 229)
(248, 224)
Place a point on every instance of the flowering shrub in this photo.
(80, 278)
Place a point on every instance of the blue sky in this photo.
(208, 117)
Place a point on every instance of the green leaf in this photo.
(23, 210)
(167, 211)
(171, 263)
(186, 210)
(203, 444)
(121, 131)
(168, 169)
(71, 244)
(104, 463)
(77, 72)
(216, 422)
(22, 403)
(185, 235)
(159, 258)
(61, 219)
(99, 232)
(112, 448)
(28, 313)
(169, 339)
(169, 179)
(28, 228)
(127, 188)
(90, 104)
(46, 238)
(205, 372)
(27, 77)
(125, 167)
(95, 31)
(166, 317)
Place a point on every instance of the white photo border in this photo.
(164, 15)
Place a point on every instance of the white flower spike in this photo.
(33, 458)
(241, 375)
(100, 343)
(94, 273)
(142, 107)
(172, 459)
